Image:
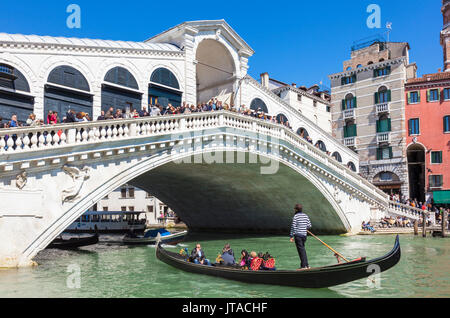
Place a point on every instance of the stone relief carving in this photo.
(21, 180)
(79, 176)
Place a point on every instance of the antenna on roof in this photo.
(389, 28)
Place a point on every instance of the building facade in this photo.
(128, 198)
(428, 128)
(368, 113)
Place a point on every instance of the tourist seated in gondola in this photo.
(198, 256)
(256, 261)
(268, 263)
(245, 260)
(228, 256)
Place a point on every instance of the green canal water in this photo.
(110, 270)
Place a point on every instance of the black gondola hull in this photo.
(74, 243)
(323, 277)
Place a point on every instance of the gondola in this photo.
(74, 243)
(322, 277)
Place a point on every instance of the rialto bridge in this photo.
(217, 170)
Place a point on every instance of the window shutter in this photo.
(355, 105)
(375, 73)
(342, 80)
(379, 153)
(389, 95)
(378, 126)
(343, 104)
(428, 95)
(439, 95)
(389, 124)
(388, 70)
(390, 153)
(410, 127)
(418, 96)
(376, 98)
(409, 98)
(354, 78)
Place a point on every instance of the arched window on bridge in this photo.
(302, 132)
(282, 119)
(164, 88)
(336, 155)
(123, 93)
(258, 105)
(351, 166)
(13, 101)
(321, 145)
(66, 89)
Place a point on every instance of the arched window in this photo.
(259, 105)
(349, 68)
(369, 63)
(164, 77)
(381, 60)
(384, 95)
(349, 102)
(124, 97)
(351, 166)
(69, 77)
(71, 92)
(302, 132)
(164, 88)
(121, 76)
(282, 119)
(359, 66)
(12, 102)
(337, 156)
(321, 145)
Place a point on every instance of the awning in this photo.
(441, 197)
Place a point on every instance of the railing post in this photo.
(183, 124)
(132, 131)
(71, 135)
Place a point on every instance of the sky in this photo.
(294, 41)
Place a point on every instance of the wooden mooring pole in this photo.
(416, 227)
(444, 221)
(424, 224)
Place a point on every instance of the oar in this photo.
(329, 247)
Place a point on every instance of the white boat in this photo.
(150, 237)
(108, 222)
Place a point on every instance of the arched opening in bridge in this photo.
(282, 119)
(164, 88)
(120, 90)
(14, 99)
(67, 89)
(351, 166)
(416, 171)
(388, 181)
(337, 156)
(321, 145)
(302, 132)
(258, 105)
(216, 72)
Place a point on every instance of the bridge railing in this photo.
(404, 210)
(29, 139)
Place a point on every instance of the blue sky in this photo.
(295, 41)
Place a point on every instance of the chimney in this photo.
(294, 85)
(439, 70)
(265, 80)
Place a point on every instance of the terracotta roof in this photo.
(430, 78)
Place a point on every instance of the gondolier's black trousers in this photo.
(300, 241)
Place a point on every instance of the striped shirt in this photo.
(300, 224)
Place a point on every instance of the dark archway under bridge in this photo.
(237, 198)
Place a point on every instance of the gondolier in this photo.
(300, 225)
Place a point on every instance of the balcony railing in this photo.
(349, 113)
(350, 142)
(382, 108)
(383, 137)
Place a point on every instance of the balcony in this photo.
(382, 108)
(350, 142)
(349, 113)
(384, 137)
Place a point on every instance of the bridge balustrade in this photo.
(404, 210)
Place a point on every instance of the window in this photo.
(382, 96)
(433, 95)
(414, 126)
(348, 80)
(123, 209)
(386, 176)
(436, 181)
(349, 102)
(123, 193)
(131, 192)
(413, 97)
(350, 131)
(447, 124)
(315, 103)
(382, 71)
(131, 208)
(299, 97)
(384, 153)
(446, 93)
(384, 125)
(105, 209)
(328, 109)
(150, 208)
(436, 157)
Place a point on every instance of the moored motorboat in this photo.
(150, 237)
(74, 242)
(322, 277)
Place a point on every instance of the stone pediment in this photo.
(177, 34)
